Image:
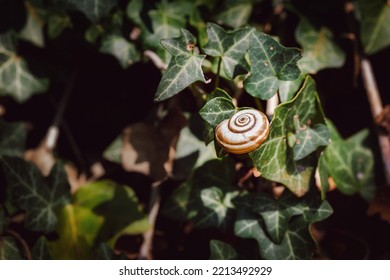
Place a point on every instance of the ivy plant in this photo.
(215, 58)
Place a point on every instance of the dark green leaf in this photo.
(275, 158)
(12, 139)
(15, 77)
(307, 140)
(351, 164)
(374, 24)
(216, 110)
(94, 10)
(270, 63)
(57, 23)
(319, 49)
(33, 28)
(184, 69)
(230, 47)
(9, 250)
(31, 192)
(235, 13)
(41, 250)
(222, 251)
(288, 89)
(3, 220)
(123, 50)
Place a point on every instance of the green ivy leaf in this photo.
(374, 24)
(167, 21)
(350, 164)
(319, 49)
(270, 63)
(217, 209)
(57, 22)
(41, 250)
(94, 10)
(184, 69)
(292, 231)
(33, 28)
(12, 139)
(191, 152)
(186, 202)
(77, 229)
(230, 47)
(123, 50)
(234, 13)
(277, 213)
(9, 250)
(288, 89)
(307, 140)
(15, 77)
(222, 251)
(119, 207)
(30, 191)
(216, 110)
(275, 158)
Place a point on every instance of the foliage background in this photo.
(84, 70)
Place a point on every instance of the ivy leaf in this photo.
(30, 191)
(307, 140)
(217, 210)
(15, 77)
(123, 50)
(41, 250)
(94, 10)
(222, 251)
(295, 239)
(77, 229)
(277, 213)
(350, 164)
(234, 13)
(270, 63)
(167, 20)
(319, 49)
(275, 158)
(288, 89)
(119, 207)
(57, 22)
(9, 249)
(230, 47)
(12, 139)
(184, 69)
(374, 24)
(216, 110)
(33, 29)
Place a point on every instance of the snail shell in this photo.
(244, 132)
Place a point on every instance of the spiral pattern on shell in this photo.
(244, 132)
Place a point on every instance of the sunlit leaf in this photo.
(12, 139)
(319, 49)
(270, 63)
(230, 47)
(123, 50)
(184, 69)
(40, 197)
(275, 158)
(117, 205)
(222, 251)
(374, 24)
(15, 78)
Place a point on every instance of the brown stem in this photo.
(145, 251)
